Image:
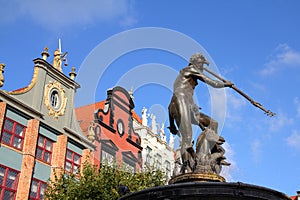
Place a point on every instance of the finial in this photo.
(73, 73)
(59, 45)
(2, 65)
(154, 124)
(45, 53)
(130, 92)
(59, 57)
(144, 116)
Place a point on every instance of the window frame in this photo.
(148, 155)
(73, 153)
(44, 149)
(168, 169)
(4, 187)
(107, 157)
(38, 193)
(158, 161)
(13, 133)
(129, 161)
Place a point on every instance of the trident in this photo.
(256, 104)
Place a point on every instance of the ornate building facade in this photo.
(109, 124)
(157, 151)
(39, 132)
(40, 135)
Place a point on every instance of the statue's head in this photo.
(198, 59)
(57, 52)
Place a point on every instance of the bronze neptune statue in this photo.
(185, 112)
(209, 155)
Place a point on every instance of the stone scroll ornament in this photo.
(2, 65)
(183, 113)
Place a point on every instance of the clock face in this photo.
(120, 127)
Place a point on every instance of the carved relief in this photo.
(2, 65)
(55, 99)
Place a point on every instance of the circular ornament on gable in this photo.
(120, 127)
(55, 99)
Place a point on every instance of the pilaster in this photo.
(2, 114)
(27, 167)
(58, 156)
(87, 156)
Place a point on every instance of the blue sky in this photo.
(255, 44)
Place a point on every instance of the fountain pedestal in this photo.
(207, 191)
(196, 177)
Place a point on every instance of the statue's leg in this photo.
(184, 124)
(173, 113)
(207, 121)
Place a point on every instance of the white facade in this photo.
(156, 151)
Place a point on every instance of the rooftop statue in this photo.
(57, 60)
(183, 112)
(2, 65)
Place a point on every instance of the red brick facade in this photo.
(113, 127)
(32, 132)
(58, 156)
(2, 114)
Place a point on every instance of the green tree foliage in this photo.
(102, 183)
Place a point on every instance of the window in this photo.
(128, 167)
(148, 156)
(8, 182)
(158, 165)
(108, 152)
(129, 161)
(107, 158)
(13, 133)
(72, 163)
(44, 149)
(54, 98)
(37, 189)
(168, 169)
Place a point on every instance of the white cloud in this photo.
(279, 121)
(56, 14)
(229, 172)
(128, 21)
(284, 56)
(294, 140)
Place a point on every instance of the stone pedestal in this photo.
(196, 177)
(207, 191)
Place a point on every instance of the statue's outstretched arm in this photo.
(194, 72)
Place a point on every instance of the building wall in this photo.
(111, 121)
(37, 141)
(24, 160)
(156, 151)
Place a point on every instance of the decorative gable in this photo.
(118, 101)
